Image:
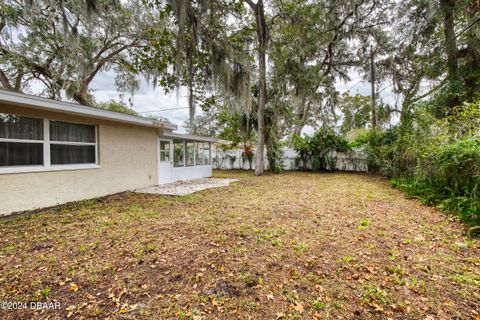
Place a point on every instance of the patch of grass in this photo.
(301, 247)
(9, 248)
(467, 278)
(43, 293)
(393, 254)
(240, 249)
(265, 235)
(374, 295)
(251, 305)
(248, 279)
(276, 243)
(363, 224)
(141, 250)
(284, 236)
(348, 259)
(231, 214)
(370, 246)
(221, 239)
(397, 274)
(313, 278)
(318, 305)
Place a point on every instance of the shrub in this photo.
(450, 179)
(434, 160)
(317, 149)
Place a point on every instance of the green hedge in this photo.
(448, 178)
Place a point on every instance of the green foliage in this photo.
(317, 149)
(64, 45)
(117, 107)
(302, 147)
(236, 127)
(430, 160)
(453, 180)
(356, 112)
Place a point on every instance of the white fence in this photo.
(355, 160)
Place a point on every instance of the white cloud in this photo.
(146, 99)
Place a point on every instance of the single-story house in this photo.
(55, 152)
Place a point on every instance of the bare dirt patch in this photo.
(290, 246)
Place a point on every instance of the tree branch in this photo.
(252, 4)
(4, 80)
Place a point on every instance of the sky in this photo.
(148, 98)
(145, 99)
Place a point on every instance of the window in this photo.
(202, 153)
(21, 141)
(190, 153)
(164, 151)
(72, 143)
(198, 158)
(178, 153)
(30, 144)
(206, 153)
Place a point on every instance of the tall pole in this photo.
(372, 80)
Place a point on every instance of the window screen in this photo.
(206, 153)
(14, 151)
(198, 149)
(72, 143)
(71, 154)
(21, 154)
(73, 132)
(18, 127)
(190, 153)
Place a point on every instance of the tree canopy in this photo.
(278, 64)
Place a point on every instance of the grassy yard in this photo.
(289, 246)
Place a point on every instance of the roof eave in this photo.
(189, 137)
(34, 102)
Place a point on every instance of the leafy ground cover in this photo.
(289, 246)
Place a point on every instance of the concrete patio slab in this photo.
(181, 188)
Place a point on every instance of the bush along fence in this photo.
(354, 160)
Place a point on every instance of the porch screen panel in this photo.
(190, 153)
(178, 153)
(207, 153)
(203, 153)
(198, 155)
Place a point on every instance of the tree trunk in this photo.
(302, 114)
(191, 94)
(262, 82)
(372, 80)
(448, 7)
(82, 95)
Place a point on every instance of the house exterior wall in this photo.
(127, 160)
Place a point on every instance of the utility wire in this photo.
(441, 48)
(455, 37)
(161, 110)
(356, 84)
(403, 43)
(418, 39)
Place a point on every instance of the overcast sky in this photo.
(149, 99)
